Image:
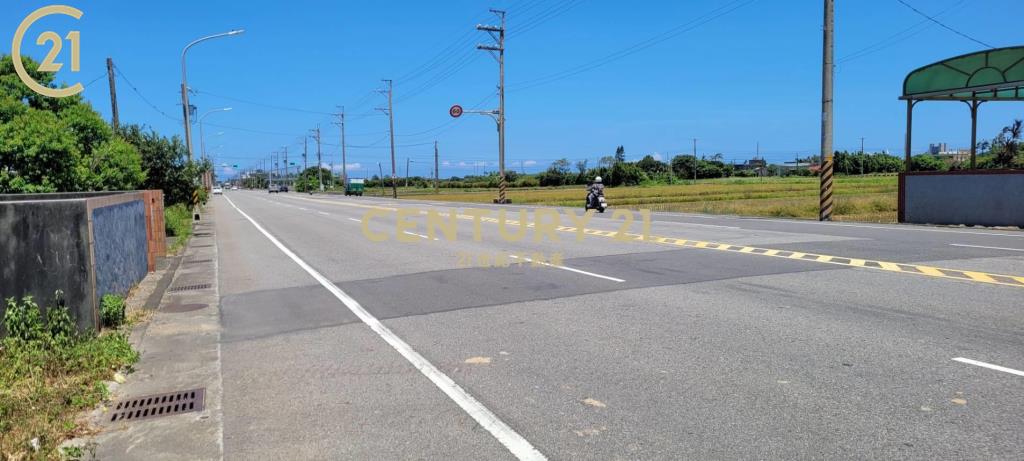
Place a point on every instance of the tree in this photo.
(927, 162)
(683, 166)
(165, 162)
(58, 144)
(606, 161)
(1008, 144)
(620, 154)
(651, 166)
(625, 174)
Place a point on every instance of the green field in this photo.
(858, 198)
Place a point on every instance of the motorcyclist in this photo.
(595, 190)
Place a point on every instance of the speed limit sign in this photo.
(455, 111)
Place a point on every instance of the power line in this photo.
(945, 26)
(895, 38)
(136, 90)
(255, 103)
(639, 46)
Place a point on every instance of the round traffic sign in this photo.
(455, 111)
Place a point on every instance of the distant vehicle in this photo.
(273, 189)
(284, 188)
(354, 187)
(218, 190)
(234, 187)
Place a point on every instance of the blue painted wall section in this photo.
(119, 233)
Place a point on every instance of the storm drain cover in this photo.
(177, 308)
(198, 261)
(152, 406)
(201, 286)
(202, 234)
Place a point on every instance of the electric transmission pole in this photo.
(113, 93)
(827, 69)
(319, 161)
(437, 173)
(344, 162)
(391, 132)
(286, 164)
(498, 51)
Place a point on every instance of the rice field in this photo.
(857, 198)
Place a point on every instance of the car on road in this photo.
(354, 187)
(218, 190)
(284, 188)
(273, 189)
(234, 187)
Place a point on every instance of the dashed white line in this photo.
(325, 214)
(990, 248)
(989, 366)
(419, 235)
(354, 219)
(570, 269)
(515, 443)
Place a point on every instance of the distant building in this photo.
(935, 149)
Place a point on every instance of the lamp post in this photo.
(184, 85)
(207, 178)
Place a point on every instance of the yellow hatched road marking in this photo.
(969, 276)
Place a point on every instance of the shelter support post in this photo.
(910, 128)
(974, 131)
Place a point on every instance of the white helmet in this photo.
(597, 179)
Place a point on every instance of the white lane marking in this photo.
(325, 214)
(990, 248)
(354, 219)
(681, 223)
(571, 269)
(303, 209)
(515, 443)
(419, 235)
(990, 366)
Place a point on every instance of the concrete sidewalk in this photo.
(180, 350)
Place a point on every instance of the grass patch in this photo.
(48, 375)
(178, 224)
(857, 198)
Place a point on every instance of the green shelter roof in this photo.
(990, 75)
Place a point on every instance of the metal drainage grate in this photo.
(152, 406)
(201, 286)
(198, 261)
(202, 234)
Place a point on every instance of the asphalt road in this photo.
(339, 347)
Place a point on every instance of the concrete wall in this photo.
(119, 246)
(44, 247)
(981, 197)
(85, 244)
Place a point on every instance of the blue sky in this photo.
(747, 77)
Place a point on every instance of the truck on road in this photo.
(354, 187)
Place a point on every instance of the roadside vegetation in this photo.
(50, 373)
(178, 221)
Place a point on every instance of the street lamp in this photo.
(184, 85)
(202, 140)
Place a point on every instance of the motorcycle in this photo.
(595, 202)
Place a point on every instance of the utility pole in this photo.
(827, 72)
(437, 171)
(391, 132)
(113, 93)
(695, 160)
(344, 161)
(286, 164)
(305, 147)
(319, 161)
(498, 51)
(407, 172)
(862, 156)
